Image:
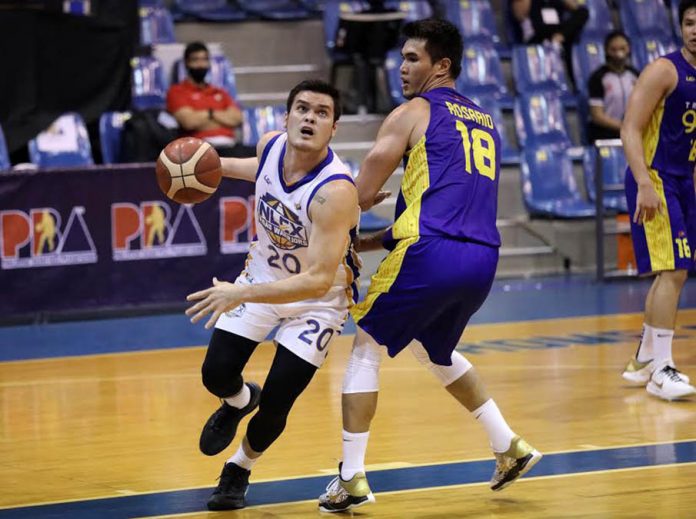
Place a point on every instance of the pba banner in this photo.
(108, 238)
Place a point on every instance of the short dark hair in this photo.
(442, 40)
(194, 46)
(615, 34)
(684, 5)
(320, 87)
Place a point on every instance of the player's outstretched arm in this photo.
(245, 169)
(334, 212)
(389, 148)
(655, 82)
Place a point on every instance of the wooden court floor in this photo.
(93, 432)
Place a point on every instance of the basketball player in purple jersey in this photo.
(659, 138)
(442, 260)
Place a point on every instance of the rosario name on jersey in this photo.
(284, 227)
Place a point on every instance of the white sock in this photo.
(499, 433)
(240, 458)
(645, 348)
(240, 399)
(662, 346)
(354, 448)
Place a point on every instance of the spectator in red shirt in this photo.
(203, 110)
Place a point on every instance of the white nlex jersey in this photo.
(283, 225)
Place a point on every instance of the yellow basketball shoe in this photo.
(513, 463)
(344, 495)
(638, 372)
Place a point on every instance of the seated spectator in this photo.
(555, 21)
(206, 111)
(609, 88)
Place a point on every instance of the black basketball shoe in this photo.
(218, 432)
(230, 492)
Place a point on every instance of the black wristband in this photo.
(210, 113)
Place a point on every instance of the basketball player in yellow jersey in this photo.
(442, 260)
(659, 137)
(299, 278)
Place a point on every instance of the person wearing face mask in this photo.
(609, 88)
(203, 110)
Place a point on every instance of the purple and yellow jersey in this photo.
(450, 183)
(669, 140)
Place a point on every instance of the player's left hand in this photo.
(381, 196)
(218, 299)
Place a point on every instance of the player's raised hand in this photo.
(219, 298)
(648, 204)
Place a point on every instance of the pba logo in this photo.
(283, 227)
(39, 239)
(148, 232)
(237, 224)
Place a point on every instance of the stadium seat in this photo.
(548, 185)
(63, 144)
(391, 67)
(148, 88)
(259, 120)
(647, 49)
(541, 68)
(156, 26)
(599, 22)
(77, 7)
(414, 9)
(4, 155)
(211, 10)
(540, 119)
(588, 56)
(151, 3)
(110, 128)
(474, 18)
(316, 6)
(482, 73)
(644, 18)
(612, 163)
(221, 73)
(509, 155)
(676, 28)
(275, 9)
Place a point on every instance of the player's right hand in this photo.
(648, 204)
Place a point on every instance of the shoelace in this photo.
(230, 479)
(672, 373)
(333, 486)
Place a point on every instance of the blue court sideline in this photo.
(510, 300)
(307, 488)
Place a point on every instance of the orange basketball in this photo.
(188, 170)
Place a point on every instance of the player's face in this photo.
(310, 122)
(688, 28)
(417, 68)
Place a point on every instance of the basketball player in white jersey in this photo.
(300, 276)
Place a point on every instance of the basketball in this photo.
(188, 170)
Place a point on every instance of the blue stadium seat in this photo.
(481, 72)
(644, 17)
(77, 7)
(316, 6)
(588, 56)
(599, 22)
(474, 18)
(676, 28)
(509, 154)
(541, 68)
(4, 155)
(612, 162)
(110, 130)
(261, 119)
(210, 10)
(148, 86)
(156, 25)
(63, 144)
(648, 48)
(548, 185)
(414, 9)
(151, 3)
(221, 73)
(540, 119)
(275, 9)
(391, 66)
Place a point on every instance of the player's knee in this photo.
(445, 374)
(675, 277)
(219, 381)
(362, 372)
